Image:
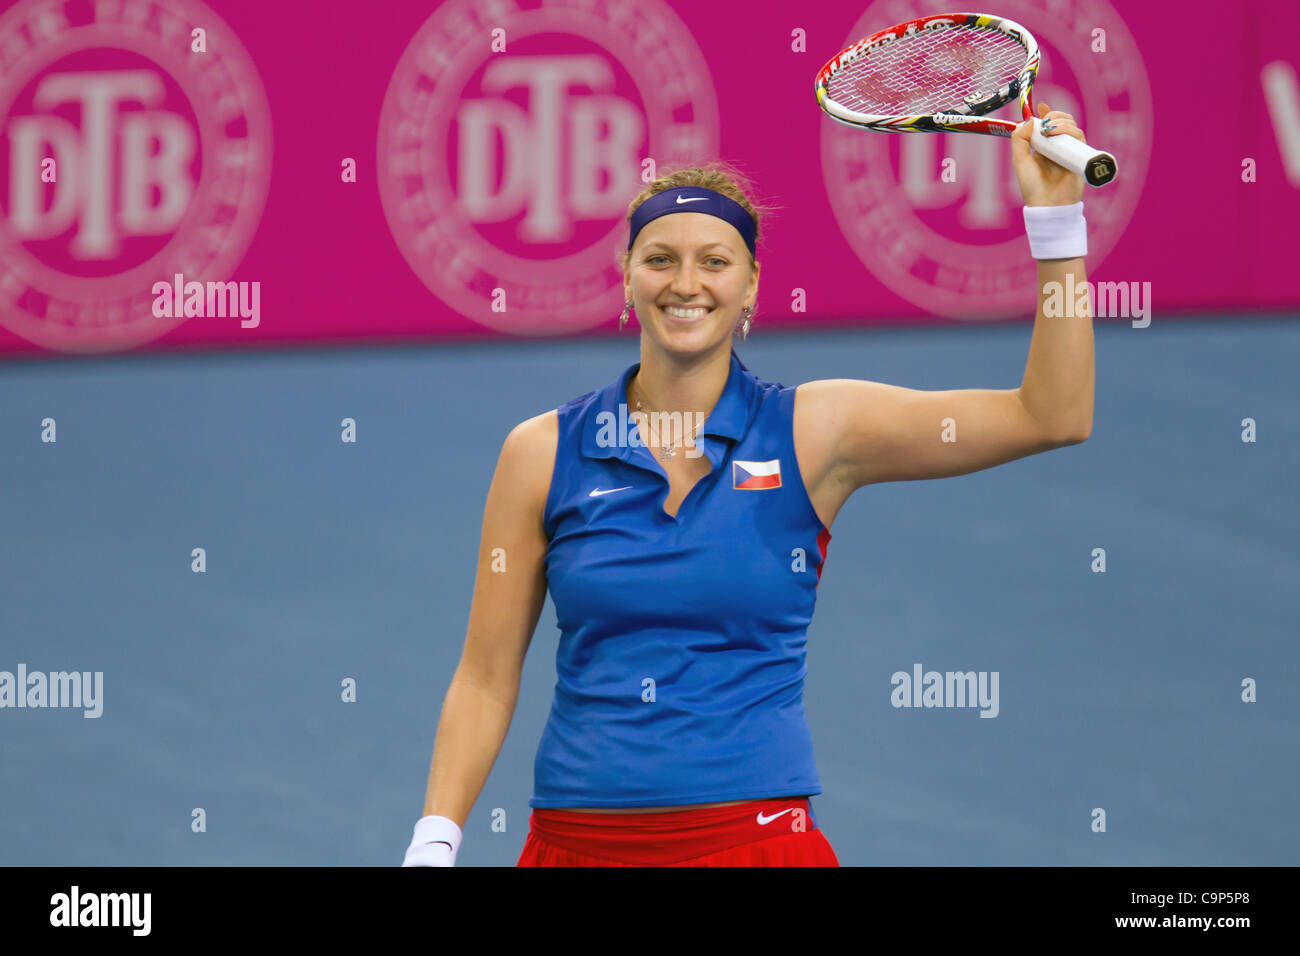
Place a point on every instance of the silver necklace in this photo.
(666, 454)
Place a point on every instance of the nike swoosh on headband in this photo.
(682, 199)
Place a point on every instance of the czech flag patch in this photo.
(755, 475)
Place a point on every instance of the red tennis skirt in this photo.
(769, 832)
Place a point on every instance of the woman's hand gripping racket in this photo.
(945, 72)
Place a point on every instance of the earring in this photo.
(622, 319)
(744, 326)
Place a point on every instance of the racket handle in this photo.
(1096, 167)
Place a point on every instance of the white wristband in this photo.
(1056, 232)
(433, 838)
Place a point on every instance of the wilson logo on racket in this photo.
(755, 475)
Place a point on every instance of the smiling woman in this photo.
(691, 277)
(684, 585)
(720, 180)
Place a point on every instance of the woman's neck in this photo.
(664, 385)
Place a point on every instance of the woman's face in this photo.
(694, 264)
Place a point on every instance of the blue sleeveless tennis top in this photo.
(681, 660)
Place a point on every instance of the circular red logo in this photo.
(512, 139)
(127, 158)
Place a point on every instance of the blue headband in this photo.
(694, 199)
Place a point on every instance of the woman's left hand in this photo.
(1042, 182)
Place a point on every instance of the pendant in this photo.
(666, 454)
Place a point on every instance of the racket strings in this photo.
(929, 72)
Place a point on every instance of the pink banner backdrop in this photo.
(452, 170)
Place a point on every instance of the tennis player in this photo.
(680, 517)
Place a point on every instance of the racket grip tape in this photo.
(1096, 166)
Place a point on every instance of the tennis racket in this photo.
(946, 72)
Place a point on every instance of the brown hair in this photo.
(719, 176)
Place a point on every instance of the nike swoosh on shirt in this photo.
(596, 492)
(682, 199)
(764, 821)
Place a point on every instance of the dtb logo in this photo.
(135, 144)
(567, 157)
(937, 216)
(112, 164)
(511, 141)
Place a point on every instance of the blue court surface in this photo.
(222, 691)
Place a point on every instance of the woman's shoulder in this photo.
(541, 433)
(533, 437)
(525, 466)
